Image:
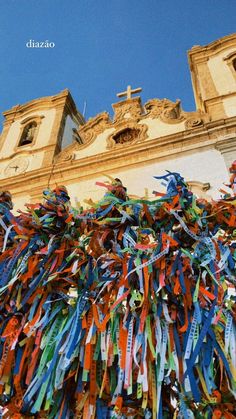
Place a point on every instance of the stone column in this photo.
(226, 144)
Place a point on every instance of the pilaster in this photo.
(227, 147)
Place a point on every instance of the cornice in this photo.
(229, 122)
(62, 99)
(27, 152)
(218, 98)
(214, 47)
(36, 118)
(226, 143)
(75, 170)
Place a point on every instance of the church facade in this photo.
(47, 142)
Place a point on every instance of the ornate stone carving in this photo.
(127, 133)
(199, 188)
(172, 113)
(202, 186)
(154, 108)
(67, 154)
(168, 111)
(126, 136)
(84, 136)
(125, 125)
(128, 109)
(193, 121)
(94, 127)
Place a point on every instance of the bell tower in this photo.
(34, 133)
(213, 71)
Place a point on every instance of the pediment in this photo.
(131, 112)
(130, 125)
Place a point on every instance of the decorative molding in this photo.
(154, 108)
(26, 151)
(127, 115)
(67, 154)
(61, 103)
(33, 118)
(226, 143)
(95, 126)
(127, 133)
(200, 189)
(214, 47)
(230, 56)
(128, 109)
(62, 99)
(87, 133)
(168, 111)
(202, 186)
(170, 146)
(193, 121)
(206, 93)
(230, 60)
(172, 113)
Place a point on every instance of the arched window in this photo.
(234, 63)
(28, 134)
(230, 60)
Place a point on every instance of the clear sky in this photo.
(101, 46)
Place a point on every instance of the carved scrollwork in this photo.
(127, 134)
(172, 113)
(154, 108)
(67, 154)
(193, 121)
(129, 109)
(168, 111)
(95, 126)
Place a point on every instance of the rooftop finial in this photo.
(129, 92)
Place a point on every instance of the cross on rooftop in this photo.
(129, 92)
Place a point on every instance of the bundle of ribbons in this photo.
(125, 309)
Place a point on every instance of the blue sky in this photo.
(101, 46)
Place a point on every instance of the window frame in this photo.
(230, 60)
(37, 119)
